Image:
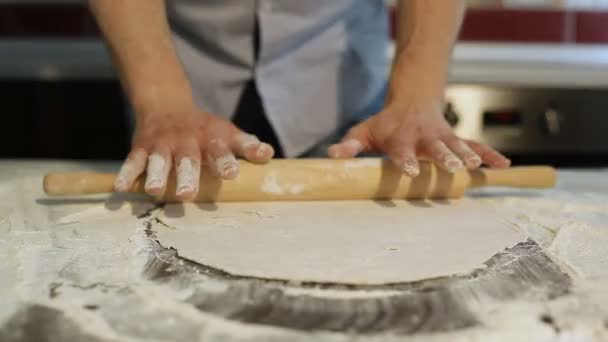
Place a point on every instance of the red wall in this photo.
(540, 26)
(545, 26)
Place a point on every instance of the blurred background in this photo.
(529, 77)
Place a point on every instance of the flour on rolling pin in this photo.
(323, 179)
(272, 185)
(362, 162)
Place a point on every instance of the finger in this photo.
(489, 156)
(159, 164)
(404, 157)
(464, 152)
(188, 170)
(134, 165)
(443, 156)
(251, 148)
(221, 159)
(356, 141)
(348, 148)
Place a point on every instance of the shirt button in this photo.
(266, 5)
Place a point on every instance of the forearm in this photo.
(426, 32)
(139, 38)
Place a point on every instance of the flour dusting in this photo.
(363, 162)
(187, 175)
(271, 185)
(156, 171)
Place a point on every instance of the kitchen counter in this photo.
(89, 268)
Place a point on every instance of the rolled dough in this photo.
(358, 242)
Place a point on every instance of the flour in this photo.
(411, 168)
(111, 248)
(157, 172)
(362, 162)
(295, 189)
(187, 176)
(90, 213)
(126, 172)
(226, 166)
(584, 249)
(271, 185)
(130, 170)
(572, 227)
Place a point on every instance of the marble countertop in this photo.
(89, 268)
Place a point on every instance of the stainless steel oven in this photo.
(551, 125)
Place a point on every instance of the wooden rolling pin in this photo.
(321, 179)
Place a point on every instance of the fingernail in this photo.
(474, 161)
(354, 145)
(156, 171)
(227, 166)
(262, 150)
(126, 169)
(248, 140)
(154, 184)
(184, 189)
(453, 164)
(411, 169)
(120, 184)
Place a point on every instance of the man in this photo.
(289, 71)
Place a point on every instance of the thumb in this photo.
(355, 142)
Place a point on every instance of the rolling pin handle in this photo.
(537, 177)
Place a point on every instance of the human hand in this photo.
(182, 140)
(412, 130)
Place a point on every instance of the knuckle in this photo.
(214, 141)
(430, 147)
(451, 140)
(401, 138)
(428, 141)
(188, 145)
(179, 154)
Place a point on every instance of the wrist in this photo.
(419, 81)
(415, 106)
(430, 71)
(154, 99)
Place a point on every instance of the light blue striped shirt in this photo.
(320, 61)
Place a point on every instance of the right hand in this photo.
(182, 140)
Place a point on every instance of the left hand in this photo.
(410, 130)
